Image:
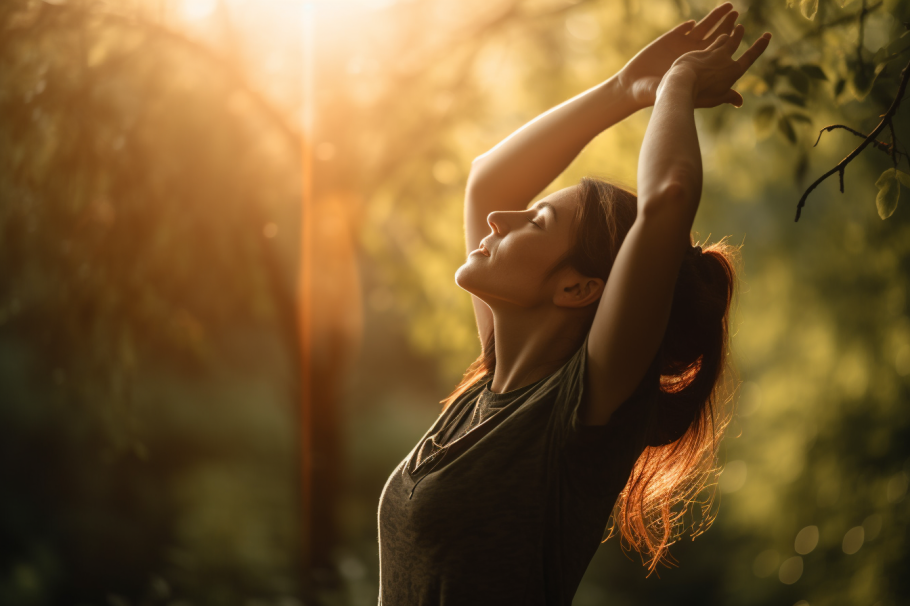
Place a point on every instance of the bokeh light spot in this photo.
(733, 476)
(872, 526)
(765, 563)
(445, 171)
(806, 540)
(749, 399)
(583, 26)
(791, 570)
(853, 540)
(897, 487)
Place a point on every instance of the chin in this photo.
(463, 278)
(459, 276)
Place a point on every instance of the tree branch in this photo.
(891, 150)
(886, 121)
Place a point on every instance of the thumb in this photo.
(733, 98)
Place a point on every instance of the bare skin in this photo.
(539, 323)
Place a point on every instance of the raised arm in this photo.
(511, 174)
(634, 309)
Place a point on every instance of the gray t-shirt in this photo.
(508, 508)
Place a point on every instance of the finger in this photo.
(683, 28)
(734, 98)
(724, 27)
(754, 52)
(705, 25)
(718, 42)
(735, 38)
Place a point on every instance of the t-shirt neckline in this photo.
(499, 399)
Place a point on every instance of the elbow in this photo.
(474, 186)
(675, 194)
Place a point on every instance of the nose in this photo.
(498, 223)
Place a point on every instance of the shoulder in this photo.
(598, 406)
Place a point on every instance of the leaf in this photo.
(861, 81)
(794, 99)
(839, 87)
(763, 117)
(808, 8)
(895, 47)
(799, 117)
(798, 79)
(888, 193)
(903, 177)
(787, 129)
(813, 71)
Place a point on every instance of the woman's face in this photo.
(521, 247)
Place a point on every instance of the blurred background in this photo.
(228, 235)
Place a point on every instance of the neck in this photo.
(531, 344)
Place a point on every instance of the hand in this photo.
(715, 70)
(641, 76)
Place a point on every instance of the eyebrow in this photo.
(540, 205)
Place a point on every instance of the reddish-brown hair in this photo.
(690, 403)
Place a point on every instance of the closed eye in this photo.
(535, 224)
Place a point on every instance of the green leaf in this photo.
(881, 54)
(839, 87)
(799, 117)
(861, 81)
(808, 8)
(787, 129)
(794, 99)
(813, 71)
(903, 177)
(798, 79)
(894, 47)
(888, 193)
(763, 117)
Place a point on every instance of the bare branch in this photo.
(888, 149)
(886, 120)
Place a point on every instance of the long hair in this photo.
(690, 412)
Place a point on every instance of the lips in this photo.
(483, 250)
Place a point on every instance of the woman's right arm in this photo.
(634, 309)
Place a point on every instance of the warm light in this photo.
(194, 10)
(733, 476)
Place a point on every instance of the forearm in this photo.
(670, 158)
(512, 173)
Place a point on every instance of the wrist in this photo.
(617, 91)
(681, 79)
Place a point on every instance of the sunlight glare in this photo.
(195, 10)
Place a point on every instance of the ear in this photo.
(578, 291)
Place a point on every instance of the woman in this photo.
(590, 395)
